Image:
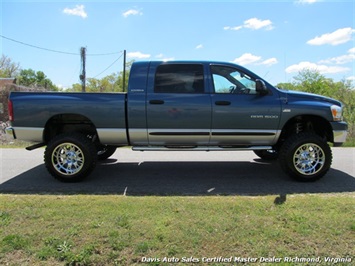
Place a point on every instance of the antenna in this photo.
(124, 71)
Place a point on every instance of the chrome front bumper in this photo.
(339, 137)
(340, 131)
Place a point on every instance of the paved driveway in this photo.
(174, 173)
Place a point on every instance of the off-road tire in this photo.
(70, 157)
(305, 156)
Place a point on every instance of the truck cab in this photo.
(201, 104)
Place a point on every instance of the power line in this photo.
(55, 51)
(109, 66)
(37, 47)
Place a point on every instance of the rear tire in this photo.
(70, 157)
(305, 157)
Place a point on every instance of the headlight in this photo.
(337, 112)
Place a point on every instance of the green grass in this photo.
(118, 230)
(350, 142)
(14, 144)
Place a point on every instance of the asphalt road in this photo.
(173, 173)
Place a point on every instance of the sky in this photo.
(274, 39)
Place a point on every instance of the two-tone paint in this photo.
(148, 120)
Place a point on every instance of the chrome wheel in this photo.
(309, 159)
(68, 159)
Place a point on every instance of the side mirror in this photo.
(261, 87)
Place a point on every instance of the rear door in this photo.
(240, 114)
(178, 109)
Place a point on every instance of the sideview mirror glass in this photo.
(261, 87)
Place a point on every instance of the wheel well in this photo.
(66, 123)
(308, 123)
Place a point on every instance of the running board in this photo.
(35, 146)
(200, 148)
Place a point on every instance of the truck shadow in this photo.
(180, 178)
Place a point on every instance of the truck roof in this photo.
(204, 62)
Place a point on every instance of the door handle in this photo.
(222, 103)
(156, 102)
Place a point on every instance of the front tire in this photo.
(305, 157)
(70, 157)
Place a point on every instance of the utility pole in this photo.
(83, 71)
(124, 71)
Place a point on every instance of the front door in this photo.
(240, 114)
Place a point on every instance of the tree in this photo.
(30, 78)
(75, 88)
(27, 78)
(286, 86)
(8, 69)
(110, 83)
(312, 81)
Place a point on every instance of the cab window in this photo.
(179, 78)
(230, 80)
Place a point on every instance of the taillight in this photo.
(11, 110)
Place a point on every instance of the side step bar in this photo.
(200, 148)
(35, 146)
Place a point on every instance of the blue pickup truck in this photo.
(181, 105)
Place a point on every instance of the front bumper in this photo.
(340, 131)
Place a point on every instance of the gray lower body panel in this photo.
(244, 137)
(112, 136)
(34, 134)
(200, 148)
(218, 137)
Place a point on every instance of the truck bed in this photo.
(106, 111)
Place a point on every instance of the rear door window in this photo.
(179, 78)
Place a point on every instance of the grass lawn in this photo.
(119, 230)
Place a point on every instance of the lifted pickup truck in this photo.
(181, 105)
